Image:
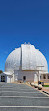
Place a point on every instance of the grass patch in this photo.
(46, 85)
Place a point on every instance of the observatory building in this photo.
(25, 64)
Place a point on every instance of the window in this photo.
(24, 78)
(2, 78)
(48, 76)
(44, 76)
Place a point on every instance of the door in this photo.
(24, 78)
(2, 78)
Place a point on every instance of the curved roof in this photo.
(26, 58)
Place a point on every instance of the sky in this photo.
(23, 21)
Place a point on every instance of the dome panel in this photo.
(26, 58)
(41, 62)
(13, 60)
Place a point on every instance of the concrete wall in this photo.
(10, 79)
(18, 75)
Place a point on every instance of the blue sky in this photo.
(23, 21)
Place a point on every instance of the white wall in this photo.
(35, 78)
(10, 79)
(29, 75)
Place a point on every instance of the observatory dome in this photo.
(27, 57)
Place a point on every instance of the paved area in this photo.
(46, 89)
(20, 97)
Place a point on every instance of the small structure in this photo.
(6, 77)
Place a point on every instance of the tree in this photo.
(1, 71)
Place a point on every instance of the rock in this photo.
(28, 82)
(36, 85)
(32, 84)
(39, 86)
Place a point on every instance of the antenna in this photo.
(28, 43)
(25, 43)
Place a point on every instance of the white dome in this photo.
(26, 58)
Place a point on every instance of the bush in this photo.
(1, 71)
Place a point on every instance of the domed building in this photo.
(25, 64)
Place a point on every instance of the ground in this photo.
(46, 89)
(21, 97)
